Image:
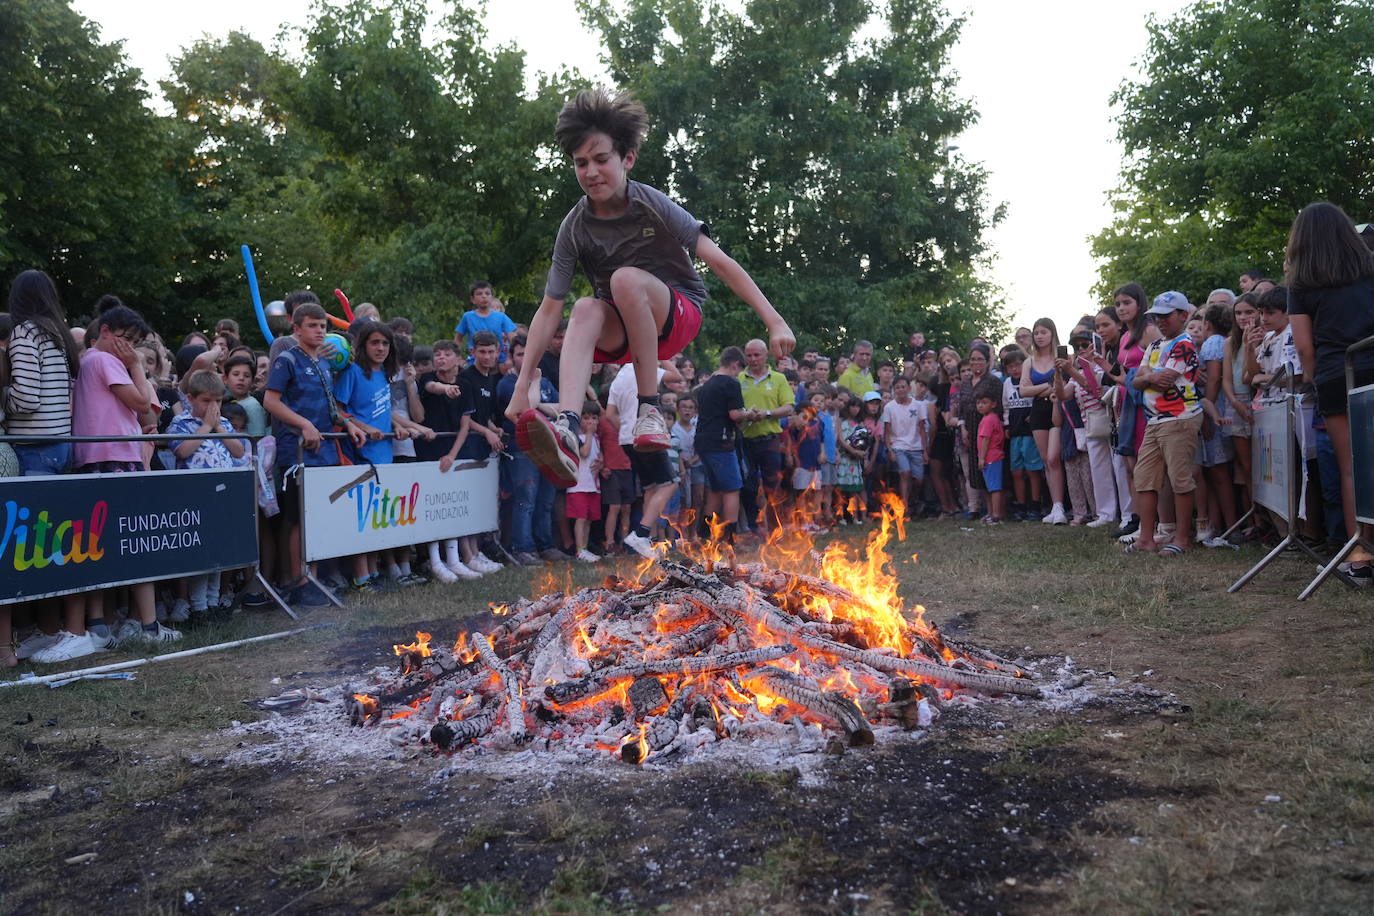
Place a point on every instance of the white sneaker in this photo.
(644, 547)
(1128, 538)
(159, 636)
(67, 647)
(127, 630)
(651, 430)
(586, 556)
(35, 643)
(441, 572)
(180, 612)
(485, 564)
(1056, 516)
(462, 570)
(101, 643)
(1101, 522)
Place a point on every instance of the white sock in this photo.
(451, 555)
(434, 553)
(404, 567)
(393, 571)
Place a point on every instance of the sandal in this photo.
(1171, 550)
(1134, 547)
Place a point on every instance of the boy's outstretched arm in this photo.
(781, 342)
(542, 326)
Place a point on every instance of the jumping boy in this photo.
(636, 246)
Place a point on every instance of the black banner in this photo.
(85, 531)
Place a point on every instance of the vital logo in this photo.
(378, 509)
(39, 543)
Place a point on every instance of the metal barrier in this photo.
(1360, 415)
(72, 533)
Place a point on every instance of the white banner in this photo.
(1272, 457)
(352, 509)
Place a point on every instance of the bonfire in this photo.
(691, 652)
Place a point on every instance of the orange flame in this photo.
(419, 647)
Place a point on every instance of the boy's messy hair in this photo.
(307, 310)
(448, 345)
(617, 115)
(204, 381)
(591, 408)
(1274, 300)
(485, 339)
(241, 360)
(122, 318)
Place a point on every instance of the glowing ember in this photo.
(794, 646)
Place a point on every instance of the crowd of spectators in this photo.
(1137, 419)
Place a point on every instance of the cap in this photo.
(1172, 301)
(1081, 334)
(872, 396)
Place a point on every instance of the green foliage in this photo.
(1245, 112)
(400, 157)
(84, 189)
(817, 155)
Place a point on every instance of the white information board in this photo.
(352, 509)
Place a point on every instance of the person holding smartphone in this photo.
(1037, 383)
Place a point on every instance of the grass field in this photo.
(1097, 811)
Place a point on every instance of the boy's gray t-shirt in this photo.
(654, 234)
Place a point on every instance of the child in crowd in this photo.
(991, 452)
(804, 437)
(442, 405)
(300, 399)
(206, 392)
(363, 390)
(478, 434)
(905, 430)
(830, 452)
(1025, 464)
(483, 316)
(238, 379)
(849, 476)
(584, 497)
(693, 473)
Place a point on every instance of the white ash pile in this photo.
(689, 656)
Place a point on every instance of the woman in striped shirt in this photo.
(43, 361)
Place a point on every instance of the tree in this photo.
(85, 191)
(820, 159)
(1244, 113)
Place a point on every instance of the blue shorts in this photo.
(992, 477)
(1024, 455)
(722, 470)
(910, 460)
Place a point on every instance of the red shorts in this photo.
(584, 505)
(679, 329)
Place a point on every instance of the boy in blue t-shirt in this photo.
(483, 316)
(299, 393)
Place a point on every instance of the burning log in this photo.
(598, 681)
(647, 697)
(510, 686)
(835, 707)
(665, 728)
(694, 640)
(988, 683)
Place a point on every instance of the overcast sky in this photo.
(1041, 74)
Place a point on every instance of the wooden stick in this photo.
(987, 683)
(510, 686)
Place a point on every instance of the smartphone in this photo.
(1097, 344)
(1062, 352)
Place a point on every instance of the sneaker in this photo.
(308, 594)
(644, 547)
(651, 432)
(485, 564)
(412, 578)
(551, 444)
(254, 599)
(1219, 541)
(462, 570)
(992, 520)
(127, 630)
(1032, 515)
(1101, 521)
(586, 556)
(1129, 527)
(553, 555)
(160, 609)
(180, 611)
(525, 558)
(64, 648)
(441, 572)
(160, 635)
(1358, 576)
(384, 585)
(1130, 536)
(35, 643)
(101, 643)
(1056, 517)
(364, 587)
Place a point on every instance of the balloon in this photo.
(343, 300)
(343, 351)
(337, 322)
(257, 296)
